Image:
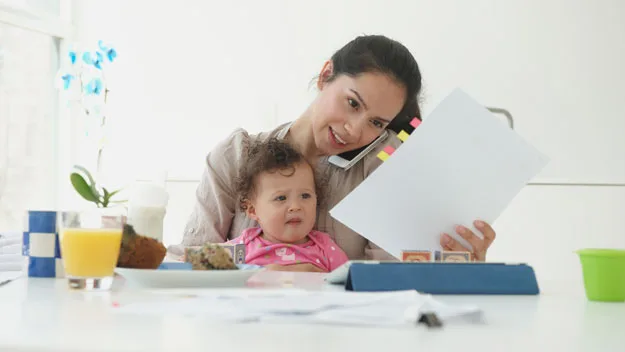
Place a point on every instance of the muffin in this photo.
(139, 252)
(209, 257)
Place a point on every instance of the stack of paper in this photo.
(11, 258)
(400, 308)
(461, 164)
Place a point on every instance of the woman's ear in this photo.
(326, 73)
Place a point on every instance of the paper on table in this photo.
(267, 301)
(11, 249)
(9, 275)
(12, 258)
(299, 306)
(11, 266)
(401, 310)
(459, 165)
(10, 241)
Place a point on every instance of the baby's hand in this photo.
(307, 267)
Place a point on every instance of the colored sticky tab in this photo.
(415, 122)
(383, 155)
(403, 135)
(389, 150)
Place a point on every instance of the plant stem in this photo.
(101, 145)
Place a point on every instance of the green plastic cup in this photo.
(604, 274)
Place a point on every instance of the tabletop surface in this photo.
(44, 315)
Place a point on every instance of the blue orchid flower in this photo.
(110, 53)
(94, 87)
(72, 57)
(94, 61)
(98, 62)
(86, 58)
(67, 80)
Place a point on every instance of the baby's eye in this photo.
(377, 123)
(306, 195)
(353, 103)
(280, 198)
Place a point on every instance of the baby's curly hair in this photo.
(272, 155)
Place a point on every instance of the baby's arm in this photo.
(336, 257)
(334, 254)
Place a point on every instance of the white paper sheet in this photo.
(299, 306)
(10, 275)
(459, 165)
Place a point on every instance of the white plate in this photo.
(187, 278)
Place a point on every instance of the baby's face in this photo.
(285, 204)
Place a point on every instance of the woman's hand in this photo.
(307, 267)
(480, 246)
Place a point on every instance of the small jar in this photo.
(146, 210)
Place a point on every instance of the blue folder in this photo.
(444, 278)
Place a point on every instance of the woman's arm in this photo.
(216, 201)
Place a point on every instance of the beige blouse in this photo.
(216, 216)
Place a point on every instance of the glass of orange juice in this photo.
(90, 243)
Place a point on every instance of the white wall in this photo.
(191, 71)
(28, 108)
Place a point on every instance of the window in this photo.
(29, 56)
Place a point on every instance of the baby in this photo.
(277, 188)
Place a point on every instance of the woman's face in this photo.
(350, 112)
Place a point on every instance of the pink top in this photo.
(320, 250)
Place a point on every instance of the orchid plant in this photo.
(82, 82)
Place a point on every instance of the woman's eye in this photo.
(280, 198)
(378, 124)
(353, 103)
(306, 195)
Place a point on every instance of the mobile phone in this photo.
(348, 159)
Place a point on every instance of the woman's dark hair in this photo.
(270, 155)
(377, 53)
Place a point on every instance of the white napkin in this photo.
(11, 234)
(11, 266)
(9, 241)
(11, 249)
(11, 258)
(11, 261)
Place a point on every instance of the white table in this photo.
(44, 315)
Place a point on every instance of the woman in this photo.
(368, 86)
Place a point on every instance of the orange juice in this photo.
(90, 253)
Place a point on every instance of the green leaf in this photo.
(92, 183)
(81, 186)
(86, 172)
(114, 193)
(105, 199)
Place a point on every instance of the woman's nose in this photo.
(354, 129)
